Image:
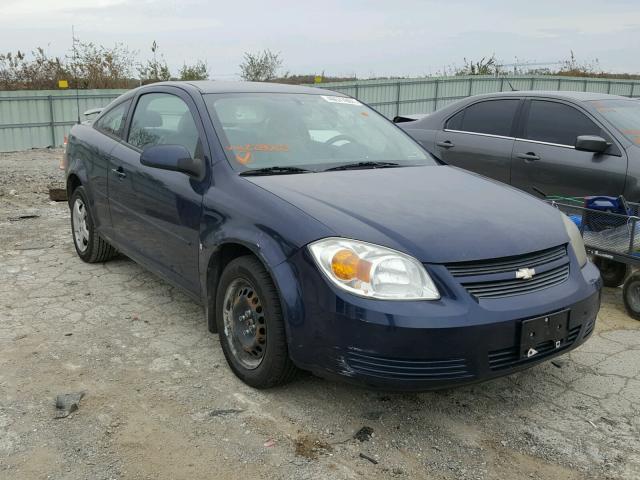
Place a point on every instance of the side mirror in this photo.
(591, 143)
(172, 157)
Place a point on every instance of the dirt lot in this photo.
(160, 402)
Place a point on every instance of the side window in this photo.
(493, 117)
(164, 119)
(555, 122)
(455, 122)
(112, 122)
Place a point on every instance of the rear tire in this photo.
(90, 246)
(631, 295)
(251, 325)
(613, 273)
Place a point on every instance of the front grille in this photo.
(400, 369)
(497, 278)
(510, 357)
(507, 288)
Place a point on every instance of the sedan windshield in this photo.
(624, 115)
(310, 132)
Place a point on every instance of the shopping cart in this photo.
(610, 227)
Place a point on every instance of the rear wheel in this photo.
(631, 295)
(613, 273)
(90, 246)
(251, 326)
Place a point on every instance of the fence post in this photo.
(357, 92)
(633, 87)
(52, 123)
(470, 87)
(609, 87)
(502, 84)
(531, 86)
(435, 96)
(398, 100)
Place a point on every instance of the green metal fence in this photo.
(424, 95)
(30, 119)
(41, 118)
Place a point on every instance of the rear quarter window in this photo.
(112, 121)
(491, 117)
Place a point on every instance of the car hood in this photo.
(438, 214)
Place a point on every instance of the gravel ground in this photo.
(160, 402)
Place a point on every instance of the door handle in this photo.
(119, 172)
(529, 156)
(446, 144)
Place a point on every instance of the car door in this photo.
(545, 161)
(480, 137)
(109, 131)
(156, 213)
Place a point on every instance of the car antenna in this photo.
(512, 89)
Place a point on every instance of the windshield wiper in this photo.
(357, 165)
(275, 171)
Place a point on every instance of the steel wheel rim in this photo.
(80, 229)
(245, 327)
(633, 296)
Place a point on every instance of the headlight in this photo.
(576, 240)
(373, 271)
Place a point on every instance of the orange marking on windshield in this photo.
(243, 158)
(259, 147)
(364, 114)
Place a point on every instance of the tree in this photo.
(261, 66)
(156, 69)
(96, 66)
(197, 71)
(484, 66)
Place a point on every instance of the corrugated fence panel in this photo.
(41, 118)
(424, 95)
(31, 119)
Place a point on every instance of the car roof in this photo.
(210, 86)
(568, 95)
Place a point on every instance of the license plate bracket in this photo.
(548, 329)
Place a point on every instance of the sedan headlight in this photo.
(576, 240)
(373, 271)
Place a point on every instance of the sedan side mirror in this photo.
(591, 143)
(172, 157)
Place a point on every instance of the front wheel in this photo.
(90, 246)
(631, 295)
(251, 325)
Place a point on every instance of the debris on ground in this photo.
(223, 412)
(364, 434)
(367, 457)
(270, 443)
(67, 403)
(58, 194)
(23, 216)
(311, 447)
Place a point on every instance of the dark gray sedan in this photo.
(545, 143)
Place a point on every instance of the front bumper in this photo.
(429, 344)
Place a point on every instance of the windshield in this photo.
(623, 114)
(313, 132)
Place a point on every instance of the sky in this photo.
(365, 38)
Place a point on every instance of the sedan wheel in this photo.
(90, 246)
(244, 324)
(79, 221)
(251, 325)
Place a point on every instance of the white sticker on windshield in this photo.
(344, 100)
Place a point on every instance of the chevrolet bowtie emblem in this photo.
(525, 273)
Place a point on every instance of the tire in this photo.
(631, 295)
(90, 246)
(613, 273)
(250, 325)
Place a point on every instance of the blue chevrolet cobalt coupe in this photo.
(319, 236)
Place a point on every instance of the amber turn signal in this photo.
(347, 265)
